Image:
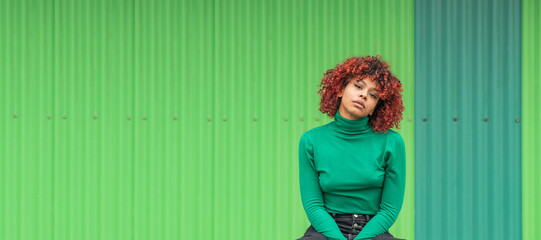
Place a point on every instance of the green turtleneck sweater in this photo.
(346, 167)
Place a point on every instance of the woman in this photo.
(352, 170)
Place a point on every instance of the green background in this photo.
(181, 119)
(167, 119)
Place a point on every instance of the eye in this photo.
(373, 96)
(359, 86)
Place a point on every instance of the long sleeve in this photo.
(392, 195)
(311, 193)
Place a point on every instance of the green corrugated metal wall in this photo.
(175, 120)
(132, 119)
(531, 132)
(468, 110)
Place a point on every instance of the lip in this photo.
(358, 104)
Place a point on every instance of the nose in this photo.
(363, 93)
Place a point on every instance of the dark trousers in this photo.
(349, 224)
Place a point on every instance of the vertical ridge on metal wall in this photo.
(531, 117)
(468, 130)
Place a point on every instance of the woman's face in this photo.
(359, 99)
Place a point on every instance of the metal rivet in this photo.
(317, 118)
(301, 118)
(285, 119)
(209, 119)
(175, 117)
(255, 119)
(49, 116)
(455, 118)
(517, 120)
(95, 116)
(485, 119)
(129, 118)
(409, 119)
(64, 116)
(15, 115)
(144, 117)
(425, 119)
(224, 119)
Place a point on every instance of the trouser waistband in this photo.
(366, 217)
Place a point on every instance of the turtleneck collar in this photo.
(359, 126)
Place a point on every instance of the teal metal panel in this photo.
(467, 127)
(531, 131)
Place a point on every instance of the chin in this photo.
(359, 116)
(357, 113)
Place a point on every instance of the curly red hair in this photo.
(388, 111)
